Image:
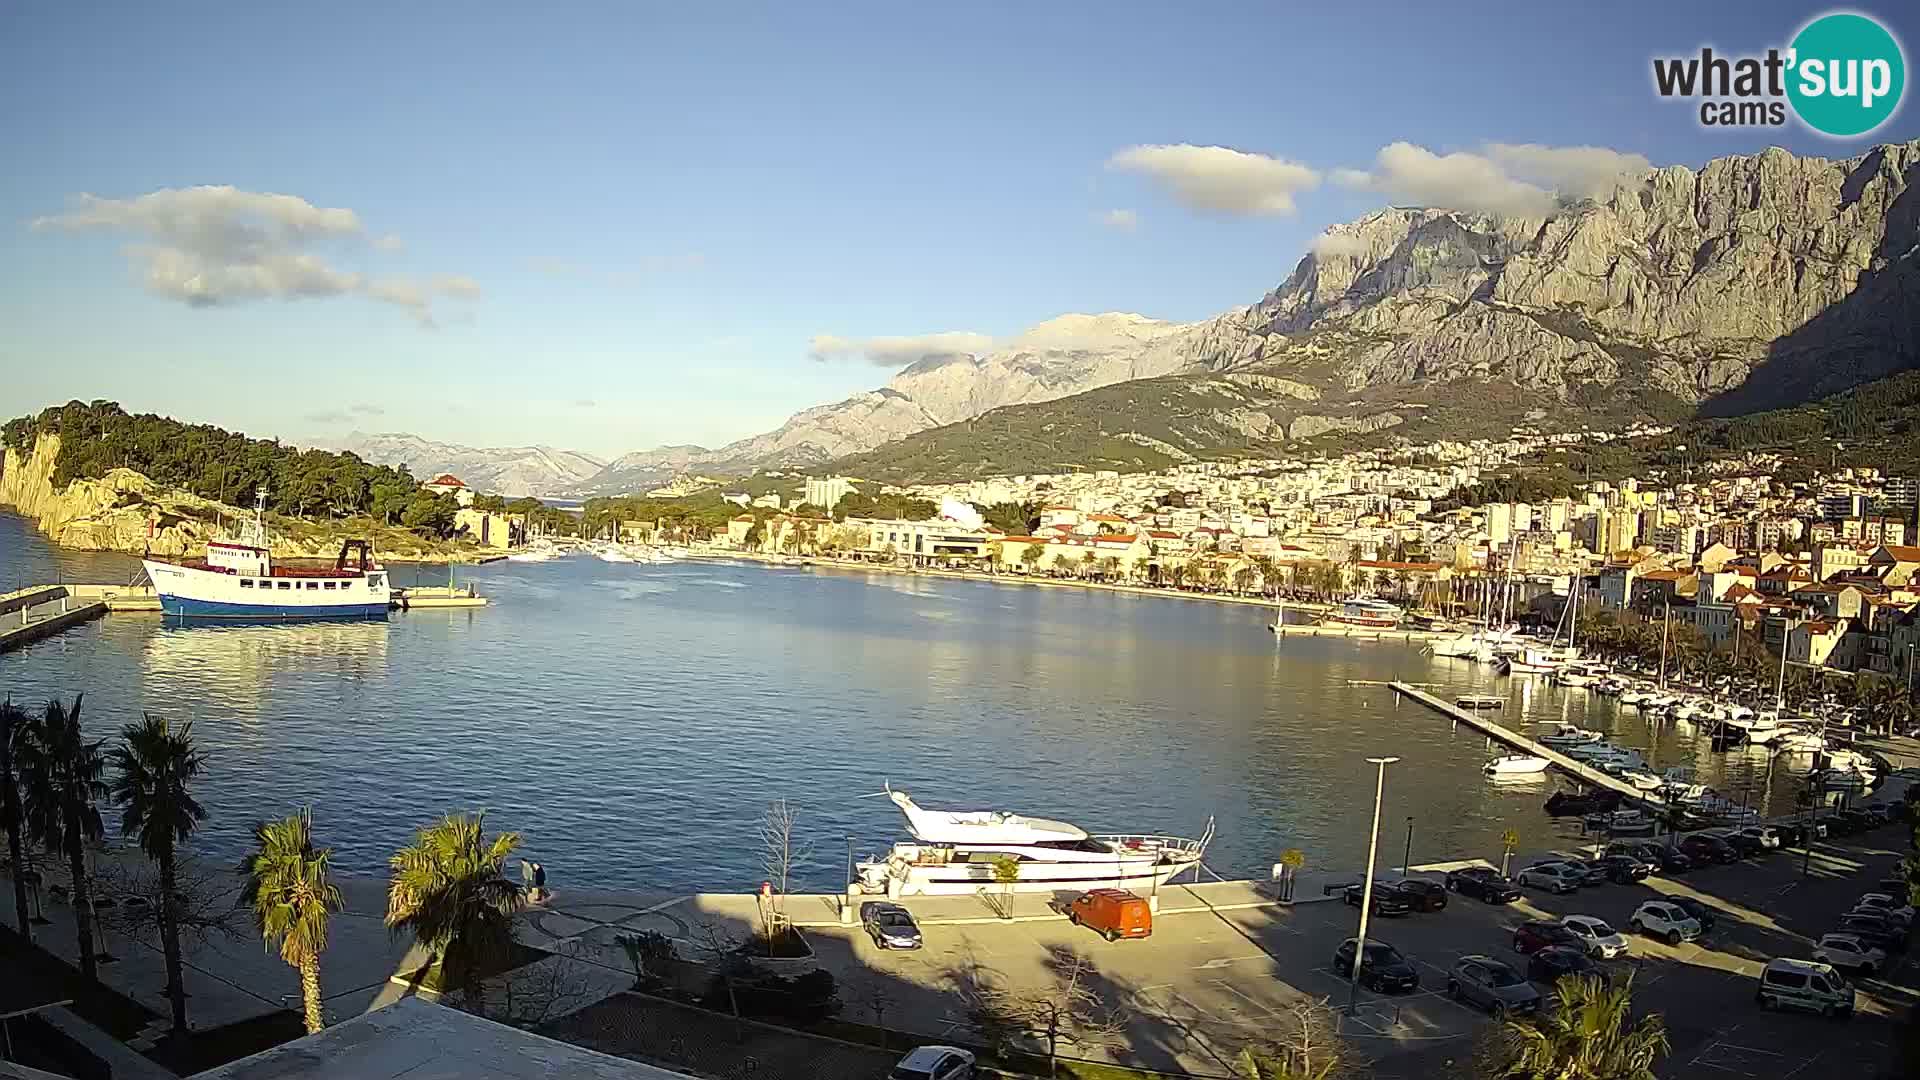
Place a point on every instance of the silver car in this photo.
(1492, 985)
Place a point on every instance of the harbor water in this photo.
(634, 721)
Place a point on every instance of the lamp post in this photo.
(1910, 668)
(1406, 860)
(1366, 889)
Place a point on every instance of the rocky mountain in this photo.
(1066, 355)
(1757, 281)
(512, 471)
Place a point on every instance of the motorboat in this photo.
(1635, 696)
(1799, 742)
(1530, 661)
(611, 553)
(1758, 729)
(1516, 765)
(1368, 612)
(1573, 677)
(1566, 735)
(954, 852)
(1641, 779)
(1465, 647)
(1621, 823)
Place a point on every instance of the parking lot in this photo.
(1208, 983)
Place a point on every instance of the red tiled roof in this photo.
(1903, 552)
(447, 479)
(1162, 534)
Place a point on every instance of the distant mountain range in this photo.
(511, 470)
(1758, 281)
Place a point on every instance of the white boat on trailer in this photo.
(953, 853)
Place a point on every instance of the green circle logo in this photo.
(1847, 75)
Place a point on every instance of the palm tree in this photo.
(291, 895)
(154, 764)
(14, 725)
(1589, 1034)
(61, 773)
(450, 889)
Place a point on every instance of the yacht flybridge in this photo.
(953, 852)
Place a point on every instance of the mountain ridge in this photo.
(511, 471)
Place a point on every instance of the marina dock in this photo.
(1364, 633)
(43, 610)
(1587, 774)
(421, 597)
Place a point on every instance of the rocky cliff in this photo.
(1755, 282)
(512, 471)
(126, 511)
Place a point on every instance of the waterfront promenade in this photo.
(1227, 964)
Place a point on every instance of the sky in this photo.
(613, 226)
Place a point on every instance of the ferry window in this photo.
(313, 585)
(246, 583)
(326, 585)
(284, 584)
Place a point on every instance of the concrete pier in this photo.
(419, 597)
(1585, 773)
(48, 617)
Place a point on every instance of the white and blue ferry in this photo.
(238, 580)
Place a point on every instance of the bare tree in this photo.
(651, 954)
(872, 994)
(1311, 1049)
(780, 852)
(203, 899)
(545, 990)
(1066, 1013)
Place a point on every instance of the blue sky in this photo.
(614, 226)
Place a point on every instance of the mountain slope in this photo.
(512, 471)
(1758, 281)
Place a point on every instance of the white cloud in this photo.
(1123, 220)
(1220, 180)
(213, 245)
(1522, 180)
(894, 352)
(1586, 172)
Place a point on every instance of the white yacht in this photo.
(1516, 765)
(953, 853)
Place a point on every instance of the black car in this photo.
(1624, 869)
(1861, 820)
(1741, 842)
(1702, 848)
(1875, 930)
(1424, 895)
(1536, 934)
(1592, 871)
(1838, 825)
(1790, 834)
(1660, 857)
(1550, 963)
(1385, 969)
(1705, 914)
(1387, 900)
(1483, 883)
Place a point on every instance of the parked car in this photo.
(1667, 921)
(1705, 848)
(1876, 930)
(1113, 913)
(1555, 877)
(1800, 984)
(1767, 836)
(1849, 953)
(1554, 961)
(1387, 900)
(1492, 985)
(1483, 883)
(1790, 834)
(890, 925)
(1664, 859)
(1424, 894)
(1894, 908)
(935, 1063)
(1703, 913)
(1591, 871)
(1741, 843)
(1625, 869)
(1536, 934)
(1836, 824)
(1601, 941)
(1384, 969)
(1860, 820)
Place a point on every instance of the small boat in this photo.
(1641, 779)
(1565, 735)
(1621, 823)
(1516, 765)
(1635, 697)
(1366, 612)
(1480, 701)
(1465, 647)
(1800, 742)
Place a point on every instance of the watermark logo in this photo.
(1843, 75)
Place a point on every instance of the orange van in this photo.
(1114, 913)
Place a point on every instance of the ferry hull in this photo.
(966, 879)
(185, 608)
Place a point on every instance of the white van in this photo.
(1803, 984)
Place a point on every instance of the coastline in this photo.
(1018, 579)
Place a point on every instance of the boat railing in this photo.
(1176, 845)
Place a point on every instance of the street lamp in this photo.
(1366, 889)
(1406, 860)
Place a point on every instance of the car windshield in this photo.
(894, 918)
(1381, 954)
(1598, 928)
(1502, 975)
